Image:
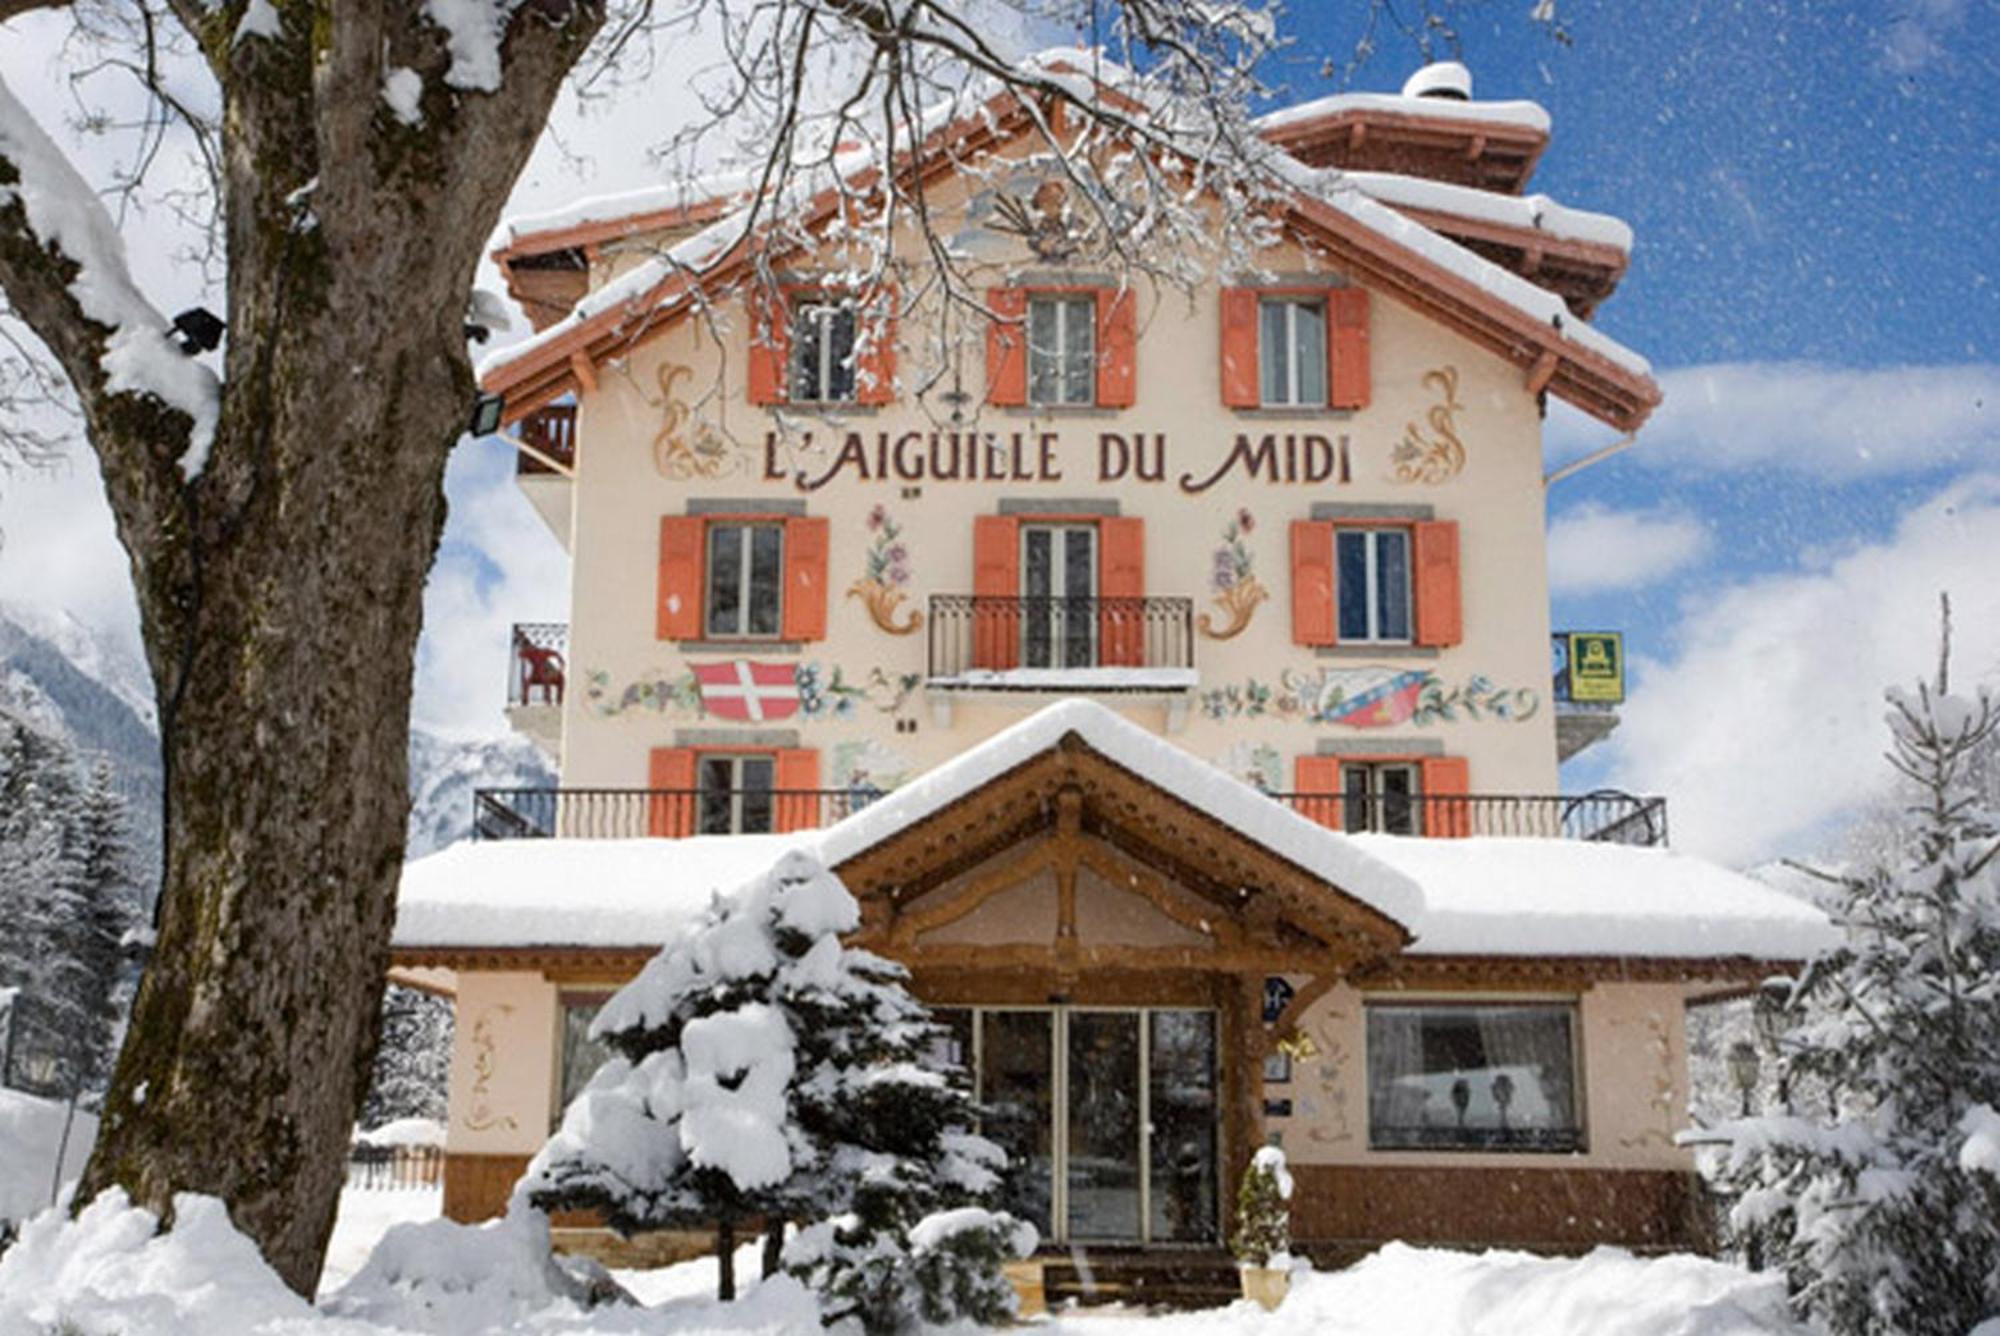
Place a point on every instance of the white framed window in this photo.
(1381, 796)
(1062, 350)
(1291, 351)
(734, 793)
(746, 578)
(822, 353)
(1476, 1077)
(1059, 603)
(1372, 584)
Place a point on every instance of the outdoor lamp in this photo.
(198, 329)
(486, 412)
(1744, 1066)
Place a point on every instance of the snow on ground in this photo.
(30, 1131)
(108, 1271)
(365, 1216)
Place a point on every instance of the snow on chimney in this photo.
(1445, 78)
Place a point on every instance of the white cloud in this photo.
(1766, 729)
(59, 552)
(1829, 422)
(1593, 548)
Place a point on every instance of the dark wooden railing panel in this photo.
(387, 1168)
(973, 632)
(552, 432)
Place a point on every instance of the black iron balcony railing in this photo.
(538, 663)
(973, 636)
(626, 814)
(551, 433)
(513, 814)
(1606, 817)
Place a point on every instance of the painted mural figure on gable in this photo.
(1371, 696)
(1437, 455)
(1238, 591)
(887, 573)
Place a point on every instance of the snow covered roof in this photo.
(649, 297)
(1520, 897)
(1457, 897)
(1524, 115)
(1535, 212)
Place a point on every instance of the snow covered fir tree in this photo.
(767, 1074)
(1879, 1195)
(67, 902)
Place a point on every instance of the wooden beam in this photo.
(1069, 954)
(1295, 1010)
(584, 369)
(1542, 372)
(1009, 872)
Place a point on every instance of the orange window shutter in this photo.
(670, 807)
(1007, 346)
(1347, 348)
(1445, 783)
(1440, 612)
(1121, 583)
(803, 616)
(1317, 779)
(1312, 583)
(680, 577)
(996, 591)
(875, 382)
(1117, 349)
(1240, 388)
(795, 776)
(770, 346)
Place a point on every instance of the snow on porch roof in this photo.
(1487, 897)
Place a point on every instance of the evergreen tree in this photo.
(1883, 1207)
(110, 911)
(767, 1073)
(1263, 1210)
(413, 1063)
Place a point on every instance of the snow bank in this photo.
(1404, 1291)
(30, 1131)
(404, 1132)
(1572, 897)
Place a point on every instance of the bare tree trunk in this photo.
(280, 592)
(774, 1247)
(725, 1259)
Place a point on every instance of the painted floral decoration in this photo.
(1233, 577)
(887, 573)
(1435, 455)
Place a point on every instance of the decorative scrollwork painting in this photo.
(1233, 577)
(685, 450)
(1432, 453)
(884, 579)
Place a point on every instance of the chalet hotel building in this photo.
(1168, 674)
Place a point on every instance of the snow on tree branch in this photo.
(64, 216)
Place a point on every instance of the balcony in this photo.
(512, 814)
(1061, 644)
(1605, 817)
(536, 676)
(628, 814)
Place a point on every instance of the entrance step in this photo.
(1155, 1278)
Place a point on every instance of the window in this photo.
(1380, 796)
(1373, 579)
(1059, 610)
(580, 1055)
(735, 794)
(1291, 351)
(822, 353)
(1500, 1077)
(746, 564)
(1062, 350)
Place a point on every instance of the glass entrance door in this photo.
(1108, 1118)
(1059, 595)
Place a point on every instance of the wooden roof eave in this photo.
(1615, 395)
(1414, 971)
(1477, 140)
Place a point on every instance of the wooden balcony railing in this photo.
(1606, 817)
(551, 432)
(509, 814)
(539, 663)
(1106, 644)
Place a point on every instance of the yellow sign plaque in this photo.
(1597, 667)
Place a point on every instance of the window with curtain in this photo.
(1460, 1077)
(580, 1055)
